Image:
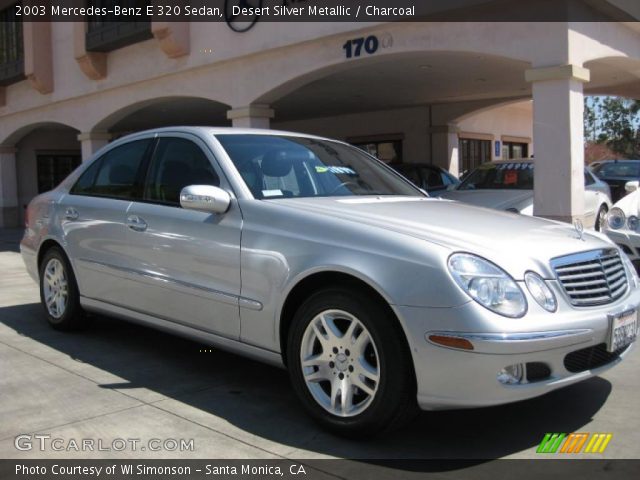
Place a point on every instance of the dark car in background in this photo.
(616, 173)
(430, 178)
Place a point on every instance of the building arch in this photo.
(161, 111)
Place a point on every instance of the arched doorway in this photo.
(403, 107)
(163, 112)
(43, 154)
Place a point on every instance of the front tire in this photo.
(59, 291)
(349, 363)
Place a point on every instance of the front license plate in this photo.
(624, 329)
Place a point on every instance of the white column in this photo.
(558, 136)
(91, 142)
(251, 116)
(444, 147)
(8, 187)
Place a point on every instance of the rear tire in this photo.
(59, 291)
(349, 364)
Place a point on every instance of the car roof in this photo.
(204, 130)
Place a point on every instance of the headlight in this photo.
(540, 291)
(631, 270)
(488, 284)
(632, 223)
(616, 218)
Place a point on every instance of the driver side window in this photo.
(177, 163)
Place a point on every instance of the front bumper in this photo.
(454, 378)
(628, 241)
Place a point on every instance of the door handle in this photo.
(134, 222)
(71, 214)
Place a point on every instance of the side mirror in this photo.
(205, 198)
(632, 186)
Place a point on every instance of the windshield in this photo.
(500, 176)
(618, 169)
(275, 166)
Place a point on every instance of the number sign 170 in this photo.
(353, 48)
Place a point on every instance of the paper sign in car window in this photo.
(342, 171)
(336, 170)
(272, 193)
(510, 177)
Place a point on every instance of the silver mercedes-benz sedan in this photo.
(308, 253)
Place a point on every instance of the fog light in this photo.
(511, 375)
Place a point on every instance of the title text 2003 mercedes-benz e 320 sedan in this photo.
(307, 252)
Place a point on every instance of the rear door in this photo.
(186, 264)
(93, 221)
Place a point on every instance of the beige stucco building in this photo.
(449, 93)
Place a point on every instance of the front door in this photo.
(187, 263)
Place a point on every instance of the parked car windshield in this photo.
(500, 176)
(618, 169)
(276, 166)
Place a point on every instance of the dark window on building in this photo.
(11, 47)
(115, 174)
(389, 151)
(473, 153)
(512, 150)
(53, 169)
(107, 32)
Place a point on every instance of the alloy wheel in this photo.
(340, 363)
(56, 288)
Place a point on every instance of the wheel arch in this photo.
(45, 246)
(318, 280)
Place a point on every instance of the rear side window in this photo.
(434, 178)
(588, 179)
(177, 163)
(412, 174)
(114, 174)
(447, 179)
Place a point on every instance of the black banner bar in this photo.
(537, 469)
(251, 11)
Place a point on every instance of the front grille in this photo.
(591, 278)
(590, 358)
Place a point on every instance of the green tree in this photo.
(590, 120)
(613, 121)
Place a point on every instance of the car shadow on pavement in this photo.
(254, 402)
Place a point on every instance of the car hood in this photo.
(629, 204)
(504, 237)
(498, 199)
